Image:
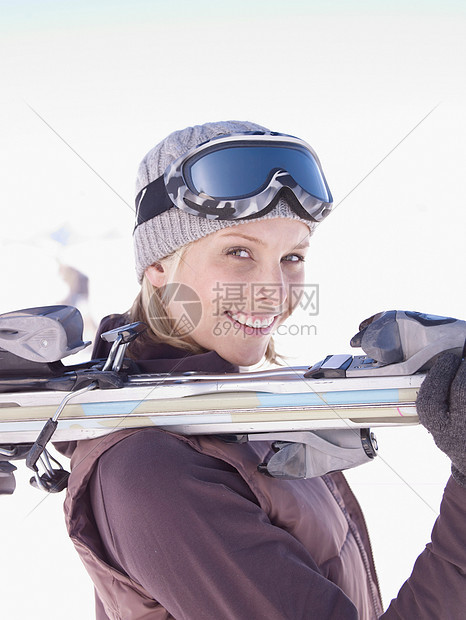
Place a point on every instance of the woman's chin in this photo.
(241, 350)
(243, 358)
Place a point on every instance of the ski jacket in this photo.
(170, 526)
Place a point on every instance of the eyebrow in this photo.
(303, 244)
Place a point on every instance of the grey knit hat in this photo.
(172, 229)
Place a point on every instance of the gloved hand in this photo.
(441, 406)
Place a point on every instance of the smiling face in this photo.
(248, 279)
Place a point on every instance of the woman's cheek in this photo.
(231, 262)
(296, 289)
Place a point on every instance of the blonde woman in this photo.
(171, 526)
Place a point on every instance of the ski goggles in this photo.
(240, 176)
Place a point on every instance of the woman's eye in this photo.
(294, 258)
(241, 252)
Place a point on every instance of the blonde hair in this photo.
(150, 308)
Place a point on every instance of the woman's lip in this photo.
(253, 331)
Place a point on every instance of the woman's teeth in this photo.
(252, 322)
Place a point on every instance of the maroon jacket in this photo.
(186, 527)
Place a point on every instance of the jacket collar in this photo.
(156, 358)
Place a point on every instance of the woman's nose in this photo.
(269, 292)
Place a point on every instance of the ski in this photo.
(266, 401)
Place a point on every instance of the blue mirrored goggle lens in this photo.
(241, 171)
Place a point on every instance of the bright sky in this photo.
(357, 80)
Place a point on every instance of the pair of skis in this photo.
(326, 409)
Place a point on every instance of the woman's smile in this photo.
(253, 325)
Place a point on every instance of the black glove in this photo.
(441, 406)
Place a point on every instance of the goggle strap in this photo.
(152, 200)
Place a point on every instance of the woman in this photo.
(187, 527)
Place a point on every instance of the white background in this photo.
(353, 79)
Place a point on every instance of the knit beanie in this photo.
(172, 229)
